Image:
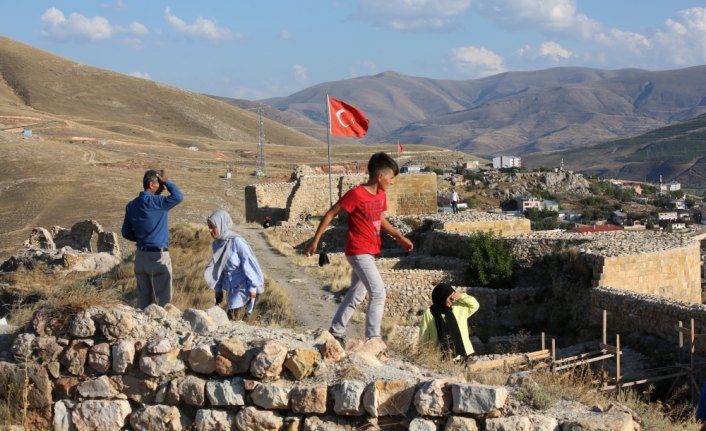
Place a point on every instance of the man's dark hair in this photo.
(150, 177)
(381, 161)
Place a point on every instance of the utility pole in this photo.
(260, 144)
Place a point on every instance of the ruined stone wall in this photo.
(671, 273)
(309, 196)
(632, 311)
(269, 199)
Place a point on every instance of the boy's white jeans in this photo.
(365, 278)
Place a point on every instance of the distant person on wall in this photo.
(233, 268)
(454, 201)
(364, 205)
(146, 223)
(445, 323)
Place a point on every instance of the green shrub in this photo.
(490, 261)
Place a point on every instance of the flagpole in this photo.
(328, 146)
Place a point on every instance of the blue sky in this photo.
(264, 48)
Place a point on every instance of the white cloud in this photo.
(683, 38)
(554, 50)
(285, 35)
(201, 28)
(55, 25)
(548, 49)
(140, 75)
(301, 73)
(412, 14)
(478, 61)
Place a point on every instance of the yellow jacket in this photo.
(462, 310)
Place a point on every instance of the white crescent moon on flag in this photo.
(338, 116)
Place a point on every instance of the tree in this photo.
(490, 261)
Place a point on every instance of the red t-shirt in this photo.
(364, 220)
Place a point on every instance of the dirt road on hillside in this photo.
(313, 306)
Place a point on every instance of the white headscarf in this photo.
(221, 219)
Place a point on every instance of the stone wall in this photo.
(161, 369)
(630, 311)
(657, 264)
(671, 273)
(268, 199)
(309, 196)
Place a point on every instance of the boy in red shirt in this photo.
(364, 205)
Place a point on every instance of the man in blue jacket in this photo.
(146, 223)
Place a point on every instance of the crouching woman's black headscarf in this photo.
(446, 326)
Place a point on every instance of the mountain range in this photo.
(513, 113)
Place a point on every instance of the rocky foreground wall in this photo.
(165, 370)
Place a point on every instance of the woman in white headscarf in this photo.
(233, 268)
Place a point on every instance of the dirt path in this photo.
(313, 306)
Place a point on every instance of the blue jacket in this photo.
(146, 217)
(241, 274)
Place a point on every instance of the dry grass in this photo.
(273, 307)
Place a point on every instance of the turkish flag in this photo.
(346, 120)
(400, 148)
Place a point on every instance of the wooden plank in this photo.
(643, 381)
(609, 348)
(586, 361)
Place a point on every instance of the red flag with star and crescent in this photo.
(346, 120)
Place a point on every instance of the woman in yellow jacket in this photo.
(445, 324)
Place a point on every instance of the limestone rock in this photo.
(332, 351)
(156, 418)
(101, 387)
(252, 419)
(477, 399)
(268, 363)
(123, 355)
(270, 396)
(22, 346)
(609, 421)
(161, 365)
(433, 399)
(116, 324)
(460, 423)
(308, 400)
(62, 420)
(155, 311)
(202, 360)
(192, 391)
(224, 366)
(235, 351)
(226, 392)
(215, 420)
(12, 380)
(139, 389)
(99, 357)
(200, 322)
(419, 424)
(74, 357)
(82, 325)
(158, 346)
(218, 315)
(301, 362)
(101, 415)
(46, 349)
(389, 397)
(348, 397)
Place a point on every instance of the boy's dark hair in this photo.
(379, 162)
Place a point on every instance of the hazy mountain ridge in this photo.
(513, 112)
